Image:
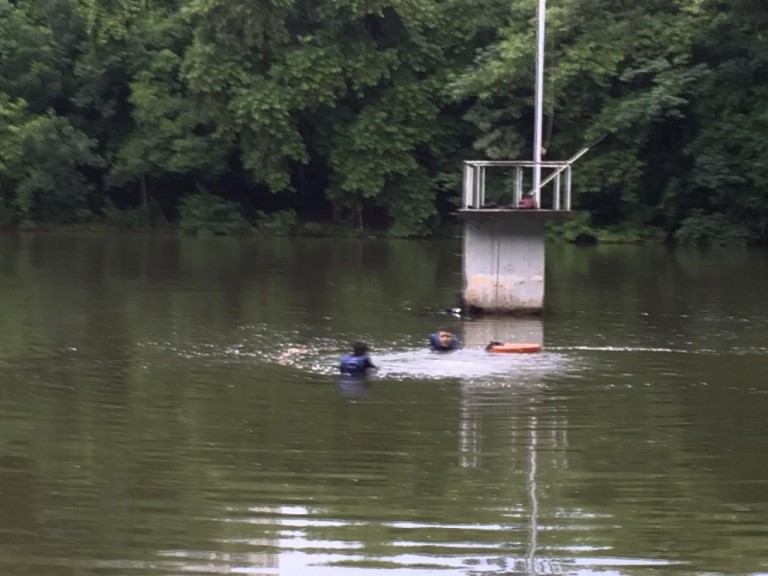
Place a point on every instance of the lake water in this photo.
(170, 406)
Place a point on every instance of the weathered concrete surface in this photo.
(504, 261)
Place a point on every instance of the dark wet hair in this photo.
(444, 330)
(491, 344)
(360, 348)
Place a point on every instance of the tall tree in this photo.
(42, 162)
(351, 88)
(727, 151)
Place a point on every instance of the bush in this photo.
(205, 213)
(319, 229)
(630, 234)
(9, 215)
(707, 229)
(580, 230)
(577, 230)
(280, 223)
(125, 218)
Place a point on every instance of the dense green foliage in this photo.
(360, 113)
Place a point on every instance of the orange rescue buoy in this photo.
(514, 347)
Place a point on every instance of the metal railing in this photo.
(555, 184)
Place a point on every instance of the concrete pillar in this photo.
(504, 260)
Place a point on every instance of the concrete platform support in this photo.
(504, 243)
(504, 261)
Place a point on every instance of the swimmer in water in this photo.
(358, 363)
(443, 340)
(287, 356)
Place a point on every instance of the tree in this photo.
(171, 136)
(353, 89)
(727, 152)
(41, 165)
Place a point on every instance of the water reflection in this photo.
(355, 387)
(151, 425)
(479, 332)
(503, 415)
(518, 404)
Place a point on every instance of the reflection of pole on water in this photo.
(482, 406)
(469, 432)
(532, 541)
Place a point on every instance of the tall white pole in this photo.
(537, 129)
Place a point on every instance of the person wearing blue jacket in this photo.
(358, 363)
(443, 340)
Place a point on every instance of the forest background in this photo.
(341, 116)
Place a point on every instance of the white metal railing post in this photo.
(568, 188)
(556, 193)
(481, 188)
(476, 188)
(467, 185)
(518, 184)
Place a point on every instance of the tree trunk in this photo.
(359, 215)
(144, 198)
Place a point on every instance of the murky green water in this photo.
(158, 418)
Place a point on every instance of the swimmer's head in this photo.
(360, 348)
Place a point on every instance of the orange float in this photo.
(514, 348)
